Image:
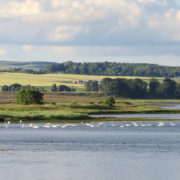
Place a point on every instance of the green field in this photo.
(45, 80)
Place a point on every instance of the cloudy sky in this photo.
(91, 30)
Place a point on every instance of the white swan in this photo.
(160, 124)
(172, 124)
(35, 127)
(90, 125)
(46, 126)
(31, 125)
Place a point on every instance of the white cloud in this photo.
(167, 25)
(60, 3)
(66, 16)
(65, 51)
(64, 33)
(27, 47)
(92, 22)
(89, 51)
(64, 19)
(127, 10)
(159, 2)
(147, 1)
(12, 9)
(2, 52)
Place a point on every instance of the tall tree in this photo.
(153, 87)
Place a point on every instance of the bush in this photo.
(110, 101)
(64, 88)
(29, 96)
(90, 103)
(53, 103)
(5, 88)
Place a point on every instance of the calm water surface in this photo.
(172, 106)
(94, 151)
(155, 116)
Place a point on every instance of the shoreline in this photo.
(58, 117)
(93, 120)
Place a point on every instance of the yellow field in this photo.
(49, 79)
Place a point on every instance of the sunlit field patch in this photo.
(49, 79)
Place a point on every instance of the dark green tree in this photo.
(104, 85)
(153, 87)
(92, 86)
(54, 87)
(167, 88)
(88, 86)
(178, 90)
(29, 96)
(110, 101)
(138, 88)
(64, 88)
(118, 88)
(15, 87)
(5, 88)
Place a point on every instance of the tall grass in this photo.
(42, 115)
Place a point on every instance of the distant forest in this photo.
(99, 68)
(113, 69)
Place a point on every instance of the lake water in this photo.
(155, 116)
(172, 106)
(92, 151)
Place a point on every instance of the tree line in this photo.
(136, 88)
(104, 68)
(17, 87)
(113, 69)
(54, 87)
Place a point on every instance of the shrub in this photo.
(53, 103)
(5, 88)
(64, 88)
(110, 101)
(100, 102)
(90, 103)
(74, 104)
(29, 96)
(54, 87)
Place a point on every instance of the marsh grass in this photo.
(42, 115)
(59, 108)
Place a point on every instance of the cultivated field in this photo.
(49, 79)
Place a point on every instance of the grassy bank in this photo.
(66, 108)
